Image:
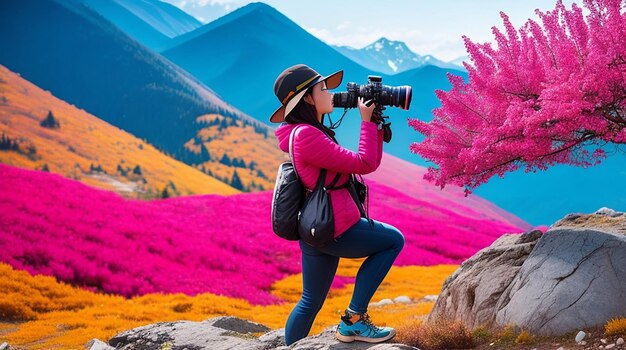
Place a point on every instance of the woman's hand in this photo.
(366, 108)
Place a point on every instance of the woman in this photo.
(304, 100)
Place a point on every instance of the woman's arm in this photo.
(381, 135)
(311, 145)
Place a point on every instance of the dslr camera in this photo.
(381, 95)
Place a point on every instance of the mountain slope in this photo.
(83, 143)
(81, 58)
(151, 22)
(167, 18)
(241, 54)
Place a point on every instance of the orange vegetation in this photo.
(244, 143)
(48, 314)
(83, 140)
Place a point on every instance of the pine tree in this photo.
(236, 181)
(223, 125)
(121, 170)
(172, 186)
(50, 122)
(225, 160)
(137, 170)
(165, 193)
(204, 154)
(6, 143)
(242, 163)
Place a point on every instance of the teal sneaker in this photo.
(355, 326)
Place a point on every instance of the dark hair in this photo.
(306, 113)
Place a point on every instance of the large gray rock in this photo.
(472, 291)
(574, 279)
(571, 277)
(229, 333)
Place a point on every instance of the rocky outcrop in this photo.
(225, 333)
(569, 278)
(472, 291)
(215, 333)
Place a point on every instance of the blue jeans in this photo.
(381, 244)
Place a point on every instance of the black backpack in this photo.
(289, 196)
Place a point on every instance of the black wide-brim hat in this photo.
(293, 82)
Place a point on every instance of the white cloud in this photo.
(344, 25)
(214, 2)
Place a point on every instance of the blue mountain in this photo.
(151, 22)
(67, 48)
(391, 57)
(241, 54)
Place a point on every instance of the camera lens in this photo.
(397, 96)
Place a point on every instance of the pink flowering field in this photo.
(207, 243)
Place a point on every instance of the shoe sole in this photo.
(351, 338)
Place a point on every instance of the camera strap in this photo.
(332, 125)
(355, 197)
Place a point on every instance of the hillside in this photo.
(89, 149)
(184, 244)
(151, 22)
(120, 81)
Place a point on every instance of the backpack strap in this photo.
(291, 136)
(332, 184)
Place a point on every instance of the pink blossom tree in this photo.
(542, 97)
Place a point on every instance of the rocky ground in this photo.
(594, 339)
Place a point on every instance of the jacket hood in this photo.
(282, 135)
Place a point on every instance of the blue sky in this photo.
(427, 27)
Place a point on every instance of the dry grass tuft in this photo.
(436, 335)
(615, 326)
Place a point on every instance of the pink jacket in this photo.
(313, 150)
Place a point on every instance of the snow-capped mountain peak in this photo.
(391, 57)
